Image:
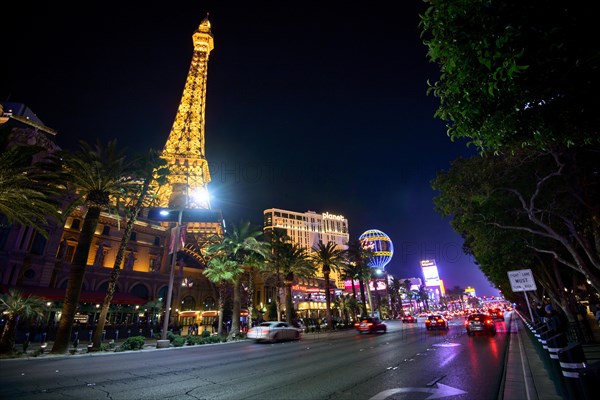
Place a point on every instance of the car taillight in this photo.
(356, 323)
(370, 324)
(489, 321)
(440, 320)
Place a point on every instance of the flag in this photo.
(177, 240)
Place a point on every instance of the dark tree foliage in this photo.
(515, 73)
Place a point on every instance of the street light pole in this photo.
(171, 277)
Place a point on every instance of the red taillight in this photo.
(370, 324)
(427, 321)
(356, 323)
(440, 320)
(489, 321)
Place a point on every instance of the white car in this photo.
(273, 331)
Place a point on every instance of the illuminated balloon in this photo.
(380, 244)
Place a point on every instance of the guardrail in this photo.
(576, 378)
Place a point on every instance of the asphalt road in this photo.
(407, 362)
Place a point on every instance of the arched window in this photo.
(140, 291)
(162, 294)
(188, 303)
(209, 303)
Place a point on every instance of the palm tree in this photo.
(221, 271)
(424, 296)
(26, 197)
(98, 175)
(330, 258)
(17, 307)
(240, 244)
(357, 266)
(151, 169)
(253, 263)
(394, 293)
(406, 284)
(291, 260)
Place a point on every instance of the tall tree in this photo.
(533, 196)
(26, 194)
(97, 175)
(330, 258)
(357, 259)
(150, 170)
(406, 284)
(17, 307)
(514, 73)
(291, 261)
(240, 244)
(222, 271)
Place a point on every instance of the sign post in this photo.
(521, 281)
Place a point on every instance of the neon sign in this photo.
(326, 215)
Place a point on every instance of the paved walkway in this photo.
(528, 376)
(525, 377)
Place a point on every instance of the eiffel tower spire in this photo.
(184, 150)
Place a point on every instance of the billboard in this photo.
(430, 273)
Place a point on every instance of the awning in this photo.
(87, 296)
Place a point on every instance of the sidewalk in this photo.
(526, 376)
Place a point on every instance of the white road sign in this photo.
(521, 280)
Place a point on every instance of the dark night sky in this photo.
(309, 106)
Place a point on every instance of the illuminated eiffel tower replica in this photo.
(189, 175)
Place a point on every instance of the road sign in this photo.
(521, 280)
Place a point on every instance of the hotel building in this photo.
(307, 229)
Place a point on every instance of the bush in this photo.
(203, 339)
(171, 336)
(178, 341)
(205, 334)
(133, 343)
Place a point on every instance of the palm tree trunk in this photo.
(7, 340)
(363, 297)
(289, 304)
(76, 275)
(327, 298)
(369, 298)
(114, 276)
(250, 297)
(221, 309)
(235, 314)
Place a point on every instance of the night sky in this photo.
(309, 106)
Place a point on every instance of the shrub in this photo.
(171, 336)
(205, 334)
(133, 343)
(178, 341)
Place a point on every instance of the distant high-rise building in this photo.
(307, 229)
